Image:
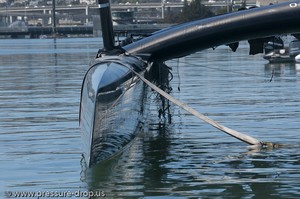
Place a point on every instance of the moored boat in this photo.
(294, 48)
(279, 56)
(276, 52)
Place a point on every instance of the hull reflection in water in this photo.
(112, 106)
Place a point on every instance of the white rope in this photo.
(243, 137)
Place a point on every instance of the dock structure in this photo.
(83, 13)
(36, 32)
(95, 31)
(80, 19)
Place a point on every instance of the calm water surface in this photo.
(40, 146)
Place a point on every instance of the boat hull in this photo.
(113, 106)
(281, 54)
(294, 47)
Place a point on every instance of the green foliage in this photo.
(191, 11)
(134, 1)
(195, 10)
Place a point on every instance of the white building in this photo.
(88, 2)
(268, 2)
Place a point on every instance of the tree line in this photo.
(192, 10)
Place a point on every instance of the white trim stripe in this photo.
(103, 5)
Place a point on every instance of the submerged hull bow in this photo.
(112, 106)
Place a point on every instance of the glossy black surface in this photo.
(112, 104)
(187, 38)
